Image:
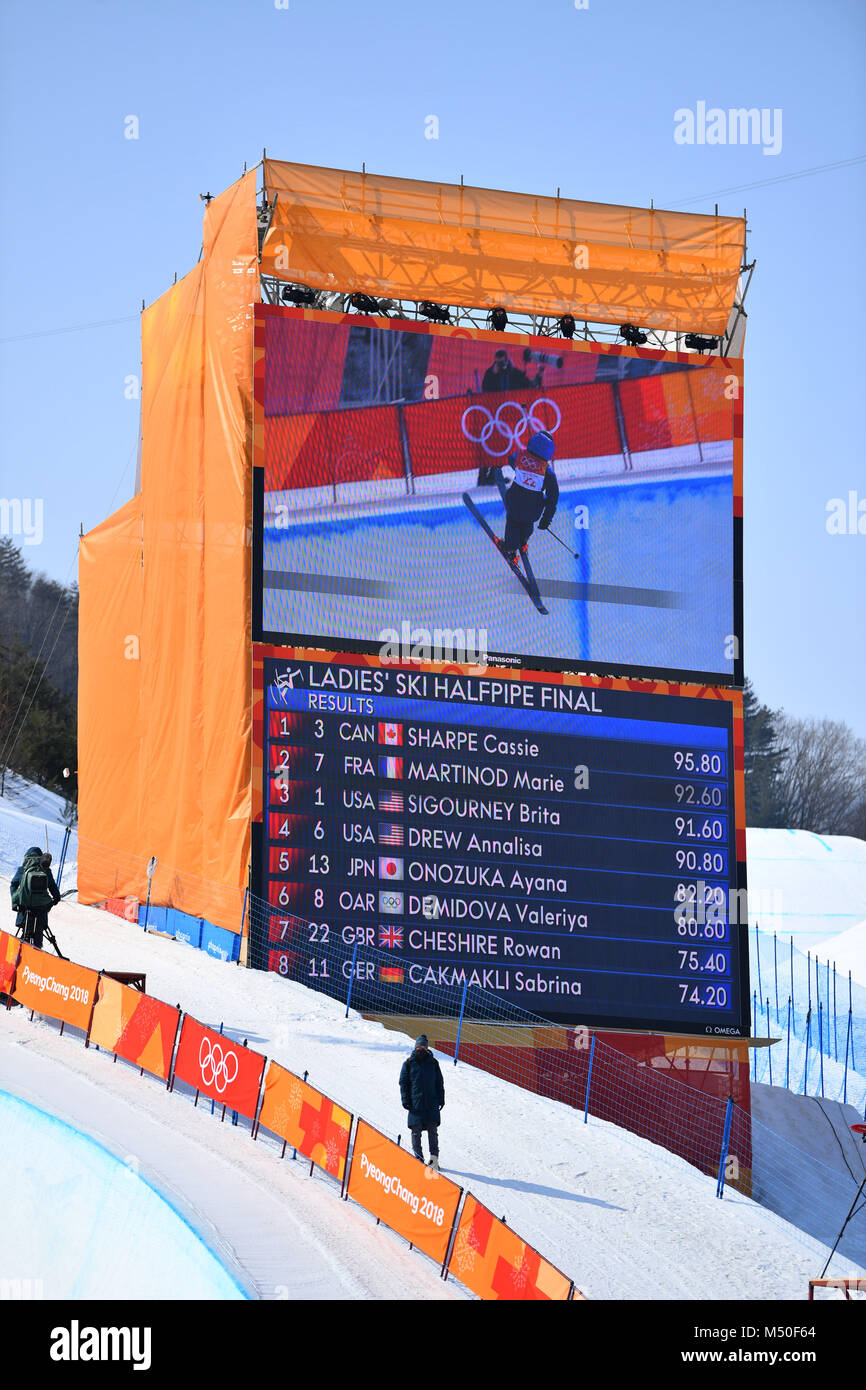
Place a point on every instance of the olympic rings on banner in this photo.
(217, 1065)
(510, 433)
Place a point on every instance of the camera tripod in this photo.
(46, 932)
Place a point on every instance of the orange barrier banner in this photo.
(135, 1026)
(8, 960)
(222, 1069)
(491, 1260)
(308, 1120)
(58, 988)
(397, 1188)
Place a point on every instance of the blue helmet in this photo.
(542, 446)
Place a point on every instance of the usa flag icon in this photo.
(390, 833)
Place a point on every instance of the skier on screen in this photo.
(533, 495)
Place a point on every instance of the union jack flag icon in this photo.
(392, 937)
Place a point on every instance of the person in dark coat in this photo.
(502, 375)
(32, 918)
(422, 1092)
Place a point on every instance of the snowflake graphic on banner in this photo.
(296, 1096)
(332, 1155)
(521, 1273)
(281, 1117)
(464, 1255)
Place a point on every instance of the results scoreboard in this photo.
(568, 844)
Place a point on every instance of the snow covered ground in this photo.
(847, 951)
(810, 886)
(31, 815)
(623, 1217)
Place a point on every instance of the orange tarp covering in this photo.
(9, 946)
(335, 229)
(110, 573)
(164, 751)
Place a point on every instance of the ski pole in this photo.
(561, 542)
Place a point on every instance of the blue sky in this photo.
(528, 97)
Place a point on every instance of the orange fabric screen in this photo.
(411, 239)
(314, 1125)
(55, 987)
(219, 1067)
(9, 946)
(166, 771)
(111, 581)
(395, 1186)
(491, 1260)
(135, 1026)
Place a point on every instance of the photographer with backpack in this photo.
(34, 893)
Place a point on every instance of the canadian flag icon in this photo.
(391, 734)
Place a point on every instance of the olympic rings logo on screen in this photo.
(513, 434)
(212, 1061)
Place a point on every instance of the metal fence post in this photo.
(151, 870)
(460, 1024)
(821, 1043)
(66, 834)
(588, 1079)
(769, 1047)
(351, 979)
(808, 1040)
(726, 1139)
(788, 1050)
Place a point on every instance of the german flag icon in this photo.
(391, 975)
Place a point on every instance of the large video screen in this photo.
(569, 846)
(400, 507)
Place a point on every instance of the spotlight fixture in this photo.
(436, 313)
(697, 342)
(498, 319)
(633, 336)
(299, 294)
(206, 197)
(365, 303)
(567, 326)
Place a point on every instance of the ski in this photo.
(530, 587)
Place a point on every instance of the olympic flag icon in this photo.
(514, 434)
(219, 1068)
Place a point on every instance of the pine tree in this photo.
(763, 757)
